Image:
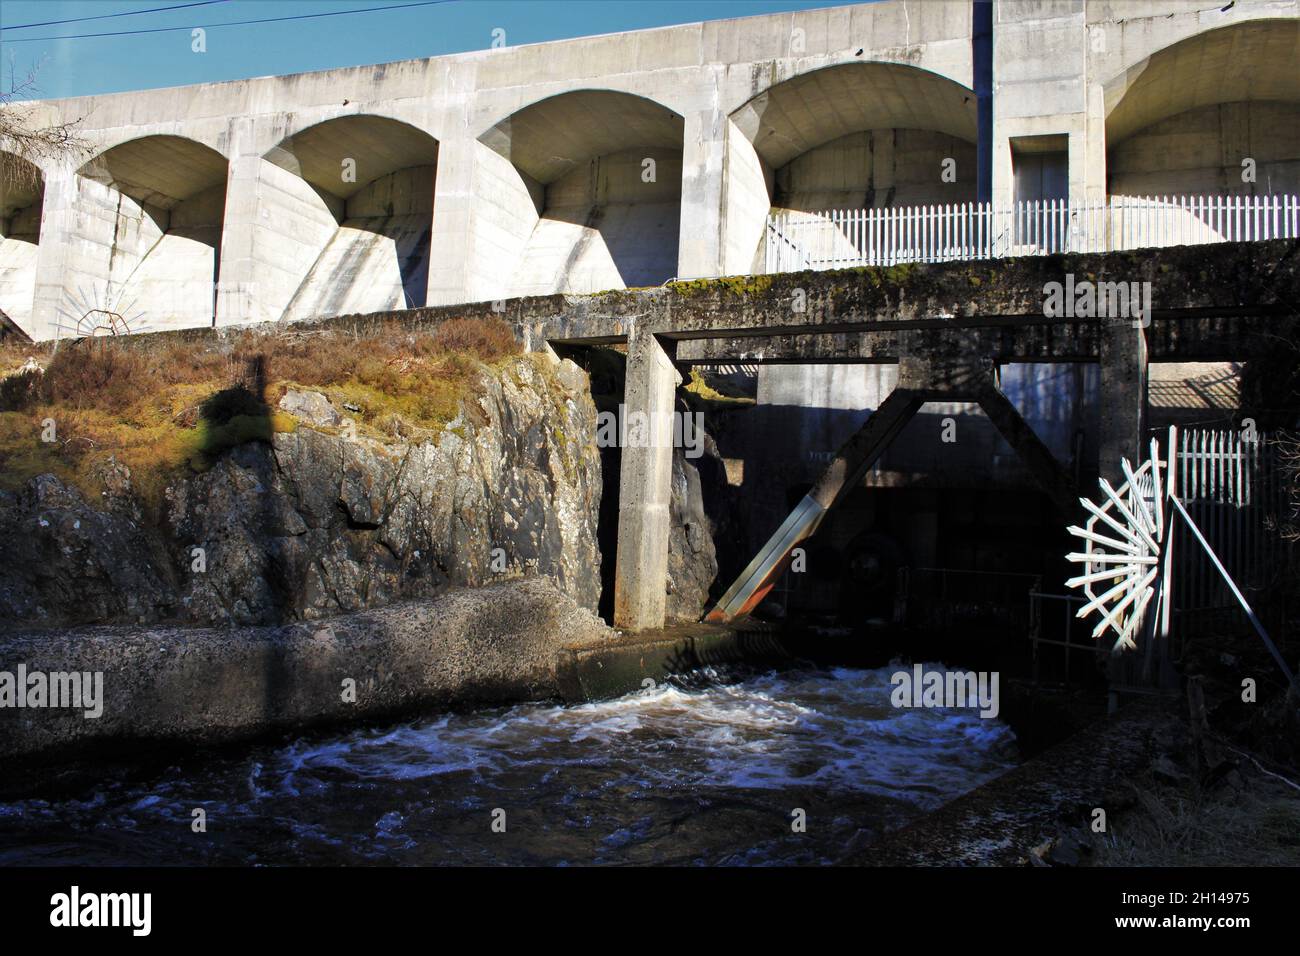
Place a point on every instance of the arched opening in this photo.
(150, 215)
(599, 176)
(1183, 121)
(359, 191)
(861, 136)
(22, 193)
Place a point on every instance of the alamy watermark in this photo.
(624, 429)
(82, 690)
(1088, 300)
(943, 688)
(75, 909)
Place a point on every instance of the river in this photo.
(711, 769)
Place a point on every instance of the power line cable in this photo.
(229, 23)
(110, 16)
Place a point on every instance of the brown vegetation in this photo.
(1288, 445)
(1252, 821)
(160, 409)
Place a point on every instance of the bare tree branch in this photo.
(25, 141)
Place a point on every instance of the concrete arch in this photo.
(854, 135)
(360, 191)
(1245, 62)
(150, 224)
(553, 135)
(208, 134)
(813, 108)
(160, 171)
(590, 191)
(1182, 120)
(380, 146)
(22, 195)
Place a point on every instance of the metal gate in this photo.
(1230, 482)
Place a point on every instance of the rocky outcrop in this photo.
(193, 685)
(321, 521)
(692, 558)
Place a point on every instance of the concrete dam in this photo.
(852, 244)
(627, 160)
(678, 154)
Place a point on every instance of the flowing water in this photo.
(710, 770)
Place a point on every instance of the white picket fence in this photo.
(846, 238)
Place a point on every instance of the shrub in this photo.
(488, 339)
(19, 390)
(104, 374)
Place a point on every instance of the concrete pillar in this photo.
(58, 224)
(237, 280)
(700, 249)
(453, 199)
(645, 483)
(1122, 396)
(484, 211)
(982, 60)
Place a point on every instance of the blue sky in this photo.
(72, 67)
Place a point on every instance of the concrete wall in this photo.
(1098, 72)
(20, 228)
(745, 103)
(1200, 153)
(604, 227)
(877, 169)
(378, 256)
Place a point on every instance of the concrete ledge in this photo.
(618, 667)
(212, 685)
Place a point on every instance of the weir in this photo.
(949, 328)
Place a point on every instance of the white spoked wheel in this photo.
(1123, 542)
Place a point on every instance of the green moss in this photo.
(740, 286)
(702, 395)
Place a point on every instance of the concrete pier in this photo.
(644, 483)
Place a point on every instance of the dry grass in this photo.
(1257, 825)
(1288, 445)
(173, 407)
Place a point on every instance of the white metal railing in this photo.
(845, 238)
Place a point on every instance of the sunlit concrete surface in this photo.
(602, 173)
(524, 169)
(20, 231)
(362, 187)
(149, 227)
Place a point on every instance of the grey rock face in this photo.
(312, 408)
(692, 559)
(61, 560)
(316, 524)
